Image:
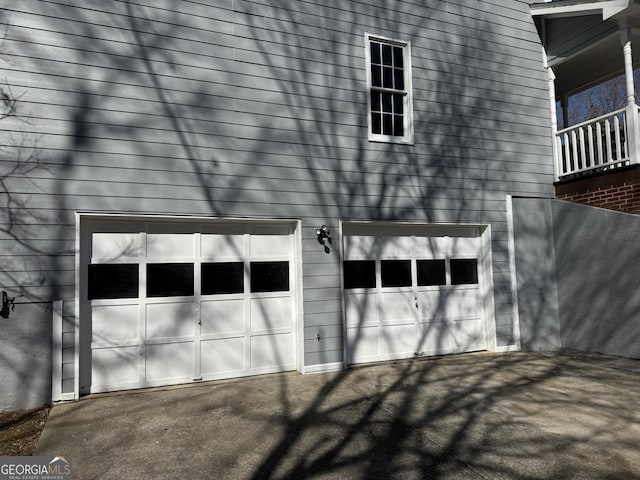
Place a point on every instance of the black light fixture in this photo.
(8, 305)
(324, 237)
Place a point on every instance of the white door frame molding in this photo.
(485, 264)
(87, 221)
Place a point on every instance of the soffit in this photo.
(569, 8)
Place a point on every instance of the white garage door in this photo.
(174, 303)
(412, 295)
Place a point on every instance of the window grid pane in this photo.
(269, 277)
(398, 79)
(386, 102)
(376, 75)
(113, 280)
(376, 123)
(398, 104)
(431, 273)
(387, 124)
(388, 73)
(398, 57)
(222, 278)
(359, 274)
(386, 54)
(398, 125)
(375, 52)
(376, 101)
(387, 77)
(464, 271)
(170, 279)
(396, 273)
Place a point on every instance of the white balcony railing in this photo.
(598, 144)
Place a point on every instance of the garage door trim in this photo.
(481, 231)
(86, 223)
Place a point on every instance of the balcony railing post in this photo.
(633, 133)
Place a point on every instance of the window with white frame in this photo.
(389, 85)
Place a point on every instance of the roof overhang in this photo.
(573, 8)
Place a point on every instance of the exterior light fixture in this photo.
(8, 305)
(324, 237)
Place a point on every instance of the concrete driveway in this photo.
(511, 416)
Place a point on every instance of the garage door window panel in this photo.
(116, 280)
(431, 273)
(464, 271)
(359, 274)
(222, 278)
(396, 273)
(170, 280)
(269, 277)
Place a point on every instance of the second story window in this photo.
(389, 84)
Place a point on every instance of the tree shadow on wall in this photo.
(260, 111)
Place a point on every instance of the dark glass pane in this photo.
(375, 101)
(376, 76)
(398, 103)
(376, 123)
(387, 124)
(269, 276)
(169, 279)
(387, 80)
(464, 272)
(113, 280)
(386, 55)
(431, 272)
(396, 273)
(386, 102)
(375, 52)
(221, 278)
(398, 79)
(359, 274)
(398, 125)
(398, 60)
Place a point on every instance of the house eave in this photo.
(573, 8)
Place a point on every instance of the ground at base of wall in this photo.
(20, 431)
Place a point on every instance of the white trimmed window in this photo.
(389, 85)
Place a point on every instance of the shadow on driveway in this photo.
(484, 415)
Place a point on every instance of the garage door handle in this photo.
(416, 299)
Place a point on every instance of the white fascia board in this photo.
(576, 8)
(609, 12)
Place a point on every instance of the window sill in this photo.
(389, 139)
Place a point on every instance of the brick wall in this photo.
(614, 190)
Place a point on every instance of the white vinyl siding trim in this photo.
(405, 92)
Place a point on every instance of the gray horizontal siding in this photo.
(156, 128)
(258, 109)
(155, 168)
(449, 186)
(444, 142)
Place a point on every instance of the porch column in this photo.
(551, 86)
(551, 82)
(633, 129)
(564, 103)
